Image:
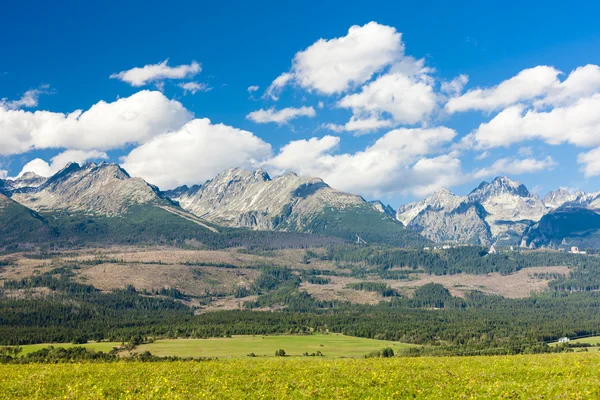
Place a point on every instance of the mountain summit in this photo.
(104, 189)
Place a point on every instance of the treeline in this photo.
(56, 355)
(377, 287)
(464, 259)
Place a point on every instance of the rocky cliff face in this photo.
(510, 207)
(96, 189)
(446, 217)
(252, 199)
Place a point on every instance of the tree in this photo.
(280, 353)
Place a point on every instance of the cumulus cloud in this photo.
(526, 85)
(398, 162)
(360, 126)
(590, 161)
(280, 117)
(194, 153)
(3, 173)
(514, 166)
(140, 76)
(408, 99)
(252, 89)
(582, 82)
(336, 65)
(577, 123)
(194, 87)
(104, 126)
(539, 86)
(29, 99)
(57, 162)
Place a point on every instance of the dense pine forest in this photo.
(476, 323)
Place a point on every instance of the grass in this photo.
(573, 375)
(98, 346)
(332, 345)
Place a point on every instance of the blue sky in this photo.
(65, 54)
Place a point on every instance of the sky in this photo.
(389, 100)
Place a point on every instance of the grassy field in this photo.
(573, 375)
(333, 345)
(100, 346)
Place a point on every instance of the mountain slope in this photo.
(20, 225)
(251, 199)
(572, 226)
(446, 217)
(104, 189)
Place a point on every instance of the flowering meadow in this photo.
(572, 376)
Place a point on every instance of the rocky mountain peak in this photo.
(242, 175)
(501, 185)
(557, 198)
(105, 188)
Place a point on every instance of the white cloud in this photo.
(539, 85)
(590, 161)
(28, 100)
(320, 105)
(582, 82)
(252, 89)
(58, 162)
(407, 98)
(194, 87)
(104, 126)
(396, 163)
(455, 87)
(274, 90)
(578, 124)
(525, 151)
(194, 153)
(526, 85)
(282, 116)
(360, 126)
(3, 173)
(483, 155)
(336, 65)
(155, 72)
(513, 166)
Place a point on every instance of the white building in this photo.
(492, 250)
(563, 340)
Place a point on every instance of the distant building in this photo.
(575, 250)
(492, 250)
(563, 340)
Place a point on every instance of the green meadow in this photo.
(330, 345)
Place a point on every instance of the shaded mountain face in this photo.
(20, 225)
(566, 226)
(104, 189)
(251, 199)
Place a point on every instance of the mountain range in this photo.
(103, 203)
(99, 202)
